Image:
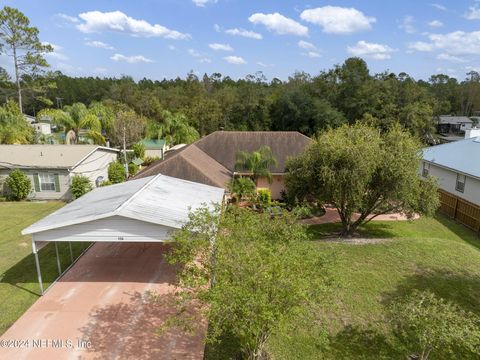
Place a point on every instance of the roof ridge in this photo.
(134, 195)
(207, 175)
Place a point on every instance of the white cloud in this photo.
(245, 33)
(201, 58)
(217, 27)
(313, 54)
(407, 24)
(338, 20)
(435, 23)
(131, 59)
(457, 42)
(236, 60)
(371, 50)
(420, 46)
(439, 7)
(202, 3)
(99, 44)
(451, 58)
(97, 21)
(306, 45)
(220, 47)
(68, 18)
(262, 64)
(100, 70)
(473, 13)
(279, 24)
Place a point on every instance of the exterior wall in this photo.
(276, 187)
(115, 228)
(95, 165)
(64, 182)
(153, 153)
(447, 180)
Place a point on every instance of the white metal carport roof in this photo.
(143, 210)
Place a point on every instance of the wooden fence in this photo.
(461, 210)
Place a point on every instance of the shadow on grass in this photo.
(468, 235)
(462, 289)
(23, 274)
(354, 342)
(381, 230)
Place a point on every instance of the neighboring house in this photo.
(50, 167)
(452, 128)
(155, 148)
(211, 160)
(42, 128)
(456, 167)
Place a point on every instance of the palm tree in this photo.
(74, 118)
(257, 163)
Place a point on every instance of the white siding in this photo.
(447, 180)
(115, 228)
(95, 165)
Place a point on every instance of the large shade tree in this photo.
(363, 173)
(20, 41)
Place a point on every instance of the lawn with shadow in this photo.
(18, 276)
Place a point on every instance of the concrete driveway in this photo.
(98, 310)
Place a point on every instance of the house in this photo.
(42, 127)
(155, 148)
(456, 167)
(51, 167)
(452, 128)
(211, 160)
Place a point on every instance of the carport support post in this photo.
(58, 260)
(37, 263)
(71, 252)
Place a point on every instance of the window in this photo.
(426, 169)
(460, 185)
(47, 182)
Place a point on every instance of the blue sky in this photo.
(168, 38)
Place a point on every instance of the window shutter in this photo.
(36, 182)
(57, 183)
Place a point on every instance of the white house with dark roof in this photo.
(51, 167)
(456, 167)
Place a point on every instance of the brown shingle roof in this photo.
(211, 160)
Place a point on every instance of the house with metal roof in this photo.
(155, 147)
(456, 167)
(51, 167)
(211, 160)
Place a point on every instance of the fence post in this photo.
(455, 208)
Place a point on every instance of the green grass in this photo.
(433, 254)
(430, 253)
(18, 278)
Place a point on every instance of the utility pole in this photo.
(125, 150)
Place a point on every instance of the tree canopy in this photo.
(360, 170)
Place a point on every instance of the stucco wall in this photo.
(63, 177)
(447, 180)
(276, 187)
(95, 165)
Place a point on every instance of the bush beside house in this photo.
(80, 186)
(19, 185)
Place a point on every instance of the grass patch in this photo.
(429, 253)
(18, 277)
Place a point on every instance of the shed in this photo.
(143, 210)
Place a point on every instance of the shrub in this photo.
(80, 186)
(19, 185)
(116, 173)
(132, 169)
(431, 325)
(106, 183)
(149, 160)
(303, 212)
(139, 150)
(264, 197)
(242, 187)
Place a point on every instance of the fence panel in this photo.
(461, 210)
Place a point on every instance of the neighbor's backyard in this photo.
(18, 278)
(435, 254)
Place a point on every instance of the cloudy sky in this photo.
(168, 38)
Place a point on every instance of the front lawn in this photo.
(433, 254)
(18, 278)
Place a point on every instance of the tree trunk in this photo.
(17, 79)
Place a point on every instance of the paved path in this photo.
(331, 216)
(100, 307)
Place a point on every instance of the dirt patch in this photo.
(355, 240)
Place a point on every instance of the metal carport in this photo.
(143, 210)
